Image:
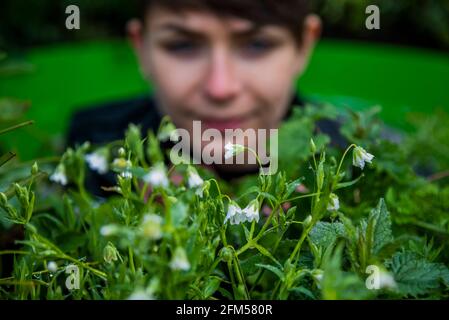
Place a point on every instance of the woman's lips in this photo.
(221, 125)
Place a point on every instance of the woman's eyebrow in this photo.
(184, 31)
(179, 29)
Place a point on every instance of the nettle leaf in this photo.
(381, 231)
(324, 234)
(415, 275)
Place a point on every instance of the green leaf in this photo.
(342, 185)
(302, 291)
(291, 186)
(338, 284)
(416, 276)
(245, 229)
(273, 269)
(179, 212)
(382, 226)
(324, 234)
(212, 285)
(249, 265)
(266, 253)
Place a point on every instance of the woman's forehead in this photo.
(201, 22)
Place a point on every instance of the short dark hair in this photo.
(285, 13)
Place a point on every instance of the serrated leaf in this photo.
(382, 226)
(324, 234)
(416, 276)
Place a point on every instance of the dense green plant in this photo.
(317, 229)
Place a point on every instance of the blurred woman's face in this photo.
(224, 72)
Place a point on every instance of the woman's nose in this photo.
(221, 83)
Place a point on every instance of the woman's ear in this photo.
(134, 29)
(310, 35)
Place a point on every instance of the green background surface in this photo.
(359, 75)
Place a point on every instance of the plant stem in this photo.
(342, 158)
(17, 126)
(131, 260)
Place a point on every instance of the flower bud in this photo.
(152, 226)
(122, 152)
(226, 254)
(320, 176)
(307, 221)
(3, 199)
(85, 146)
(52, 266)
(110, 253)
(34, 169)
(312, 146)
(179, 260)
(109, 230)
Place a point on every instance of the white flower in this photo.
(334, 203)
(157, 176)
(199, 192)
(232, 150)
(121, 163)
(235, 214)
(386, 280)
(318, 277)
(141, 294)
(109, 230)
(97, 162)
(360, 156)
(59, 175)
(179, 260)
(52, 266)
(151, 226)
(166, 132)
(251, 211)
(126, 175)
(194, 181)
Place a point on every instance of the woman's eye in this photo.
(182, 47)
(258, 47)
